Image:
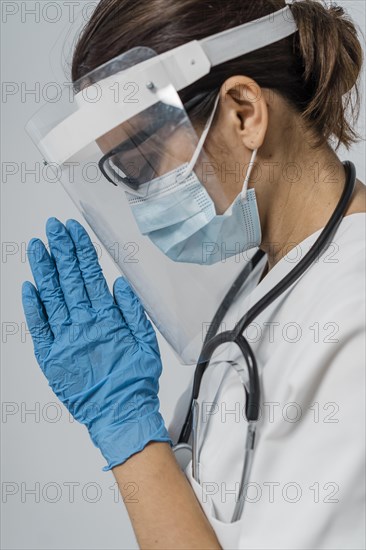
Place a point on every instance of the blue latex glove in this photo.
(99, 354)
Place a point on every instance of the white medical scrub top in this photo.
(307, 483)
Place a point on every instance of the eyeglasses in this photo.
(135, 161)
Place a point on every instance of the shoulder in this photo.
(337, 279)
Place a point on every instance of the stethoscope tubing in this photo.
(212, 342)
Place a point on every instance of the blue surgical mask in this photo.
(180, 217)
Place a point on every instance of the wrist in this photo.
(120, 440)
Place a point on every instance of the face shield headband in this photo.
(178, 68)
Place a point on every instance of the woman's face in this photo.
(146, 150)
(162, 139)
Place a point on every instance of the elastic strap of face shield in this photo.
(249, 37)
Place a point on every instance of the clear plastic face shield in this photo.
(124, 148)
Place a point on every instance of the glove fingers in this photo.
(133, 312)
(71, 281)
(46, 278)
(37, 321)
(95, 283)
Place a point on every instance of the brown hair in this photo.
(316, 70)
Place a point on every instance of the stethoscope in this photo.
(185, 452)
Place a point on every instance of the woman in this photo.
(282, 105)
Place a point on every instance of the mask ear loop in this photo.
(201, 142)
(249, 173)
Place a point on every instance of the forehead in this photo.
(159, 121)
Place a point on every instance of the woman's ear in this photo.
(244, 106)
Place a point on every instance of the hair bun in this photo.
(332, 59)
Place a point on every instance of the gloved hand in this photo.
(99, 354)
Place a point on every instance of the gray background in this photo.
(43, 452)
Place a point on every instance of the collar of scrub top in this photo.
(179, 67)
